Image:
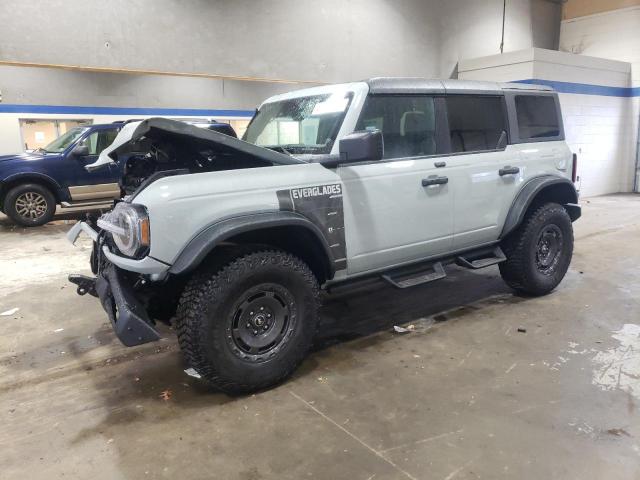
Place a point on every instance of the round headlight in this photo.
(129, 227)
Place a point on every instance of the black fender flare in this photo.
(531, 190)
(204, 242)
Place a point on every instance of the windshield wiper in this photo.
(40, 149)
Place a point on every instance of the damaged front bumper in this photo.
(127, 314)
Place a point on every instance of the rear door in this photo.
(391, 218)
(485, 175)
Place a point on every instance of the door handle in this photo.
(508, 171)
(434, 180)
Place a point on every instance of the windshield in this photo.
(63, 141)
(299, 125)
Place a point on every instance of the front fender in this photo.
(203, 243)
(554, 189)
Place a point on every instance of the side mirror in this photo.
(360, 146)
(80, 150)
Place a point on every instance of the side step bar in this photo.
(406, 280)
(425, 271)
(481, 259)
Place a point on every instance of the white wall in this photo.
(599, 128)
(615, 35)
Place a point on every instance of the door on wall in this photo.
(36, 133)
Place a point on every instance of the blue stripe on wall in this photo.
(585, 88)
(133, 111)
(561, 87)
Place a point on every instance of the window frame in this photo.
(440, 136)
(92, 132)
(505, 115)
(513, 115)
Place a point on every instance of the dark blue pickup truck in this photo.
(33, 184)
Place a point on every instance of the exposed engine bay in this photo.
(143, 149)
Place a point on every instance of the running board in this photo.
(481, 259)
(92, 203)
(403, 279)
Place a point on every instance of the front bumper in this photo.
(127, 314)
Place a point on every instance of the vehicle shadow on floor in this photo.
(153, 389)
(348, 317)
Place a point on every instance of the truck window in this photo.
(407, 124)
(475, 122)
(98, 141)
(537, 116)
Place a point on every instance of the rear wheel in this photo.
(248, 325)
(30, 205)
(539, 251)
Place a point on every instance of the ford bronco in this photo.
(392, 179)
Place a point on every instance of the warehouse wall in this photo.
(472, 29)
(53, 93)
(615, 35)
(329, 41)
(230, 44)
(285, 39)
(595, 96)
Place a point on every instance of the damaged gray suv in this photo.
(392, 179)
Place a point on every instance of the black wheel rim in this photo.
(549, 249)
(261, 322)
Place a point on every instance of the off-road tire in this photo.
(208, 309)
(525, 270)
(18, 194)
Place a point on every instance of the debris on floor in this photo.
(166, 395)
(192, 372)
(407, 329)
(522, 330)
(9, 312)
(618, 432)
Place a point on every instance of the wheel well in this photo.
(560, 193)
(295, 239)
(6, 186)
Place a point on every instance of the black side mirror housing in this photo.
(361, 146)
(80, 150)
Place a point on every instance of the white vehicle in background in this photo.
(390, 179)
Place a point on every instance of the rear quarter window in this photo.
(537, 117)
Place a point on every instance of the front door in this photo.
(97, 184)
(399, 209)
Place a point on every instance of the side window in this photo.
(407, 124)
(475, 123)
(98, 141)
(537, 116)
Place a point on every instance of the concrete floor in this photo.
(463, 396)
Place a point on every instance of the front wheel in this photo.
(30, 205)
(539, 251)
(247, 326)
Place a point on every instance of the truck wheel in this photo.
(539, 251)
(248, 325)
(30, 205)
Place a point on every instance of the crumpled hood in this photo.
(182, 135)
